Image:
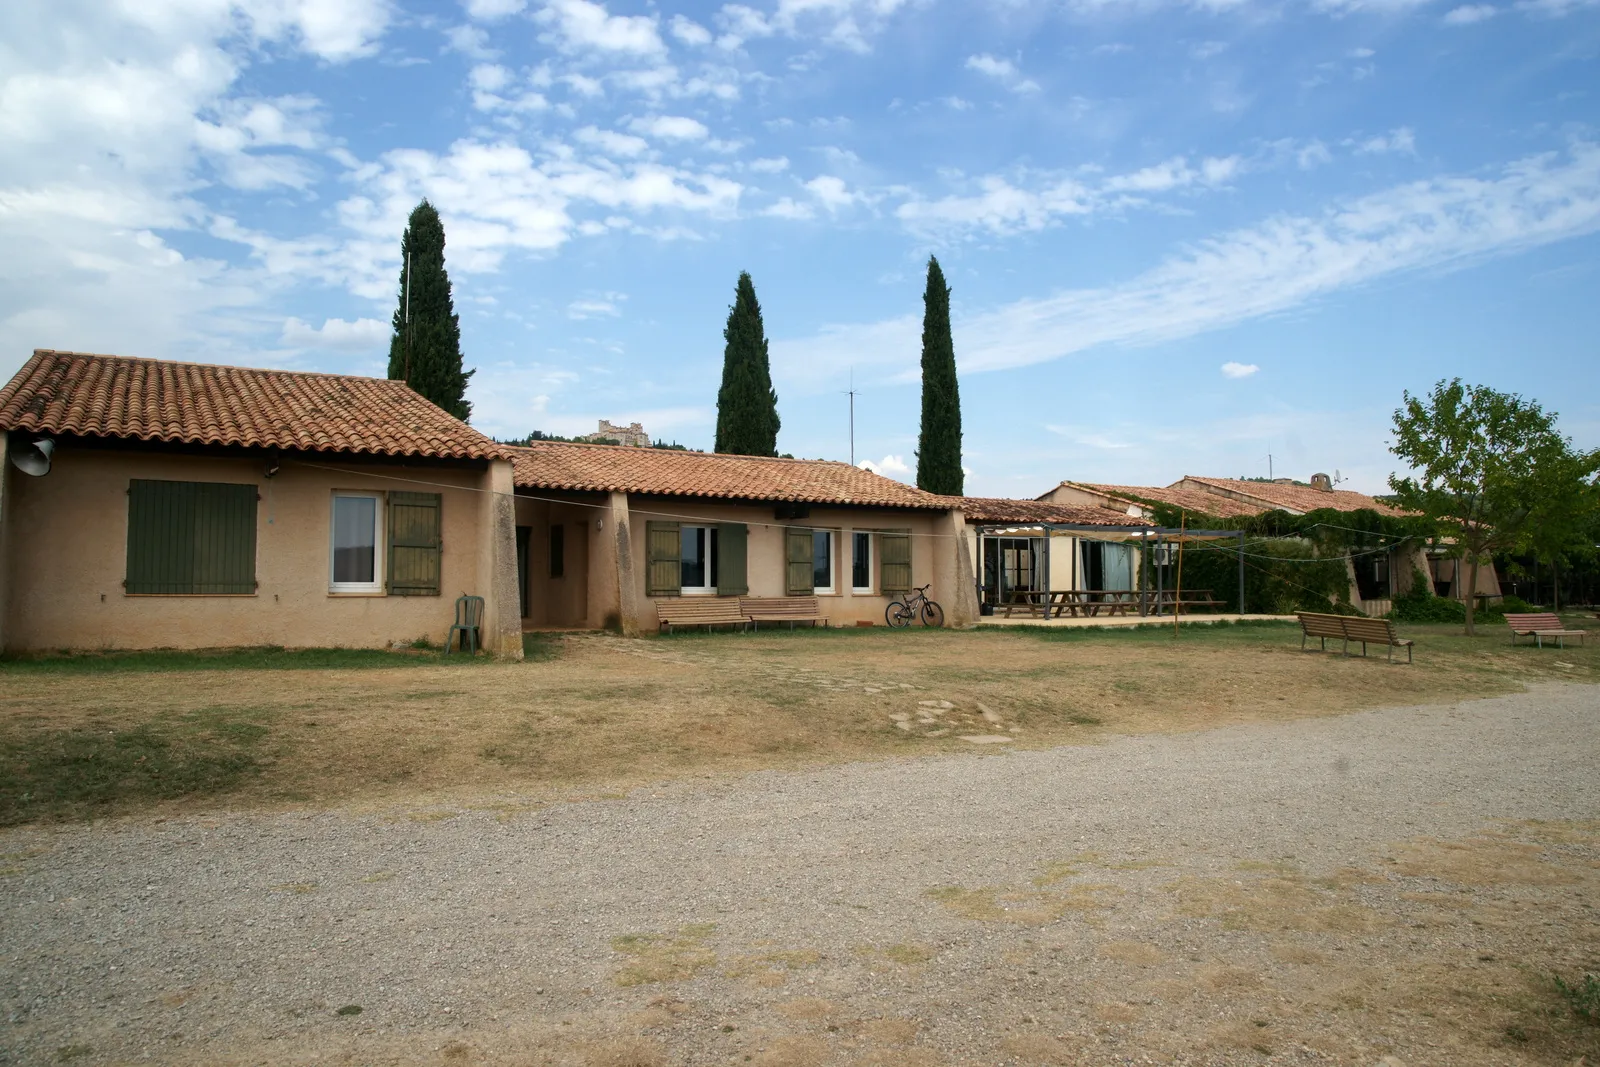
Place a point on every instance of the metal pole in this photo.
(1160, 577)
(1241, 572)
(1177, 589)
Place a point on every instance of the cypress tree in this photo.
(939, 445)
(747, 407)
(430, 359)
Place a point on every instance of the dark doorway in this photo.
(524, 534)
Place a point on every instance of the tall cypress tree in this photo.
(939, 445)
(747, 407)
(426, 353)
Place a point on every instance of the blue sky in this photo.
(1182, 236)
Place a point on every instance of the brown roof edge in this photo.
(136, 398)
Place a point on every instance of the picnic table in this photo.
(1064, 603)
(1089, 603)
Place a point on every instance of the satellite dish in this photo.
(31, 457)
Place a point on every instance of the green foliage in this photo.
(1583, 997)
(426, 352)
(86, 771)
(1280, 576)
(1418, 604)
(1515, 605)
(939, 445)
(1483, 460)
(747, 406)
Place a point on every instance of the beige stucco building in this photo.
(606, 532)
(189, 505)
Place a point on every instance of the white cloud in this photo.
(830, 192)
(611, 142)
(788, 208)
(113, 120)
(1282, 262)
(773, 165)
(670, 128)
(1554, 8)
(1000, 206)
(1467, 14)
(889, 466)
(846, 24)
(605, 305)
(1400, 140)
(1003, 71)
(1231, 369)
(489, 10)
(584, 26)
(689, 31)
(361, 335)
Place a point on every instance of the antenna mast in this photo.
(1269, 466)
(852, 394)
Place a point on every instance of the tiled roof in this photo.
(669, 472)
(1002, 509)
(1298, 498)
(1196, 500)
(197, 403)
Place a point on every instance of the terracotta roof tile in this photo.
(1291, 497)
(1003, 509)
(1197, 500)
(198, 403)
(669, 472)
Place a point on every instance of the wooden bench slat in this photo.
(700, 611)
(1539, 625)
(1323, 625)
(790, 609)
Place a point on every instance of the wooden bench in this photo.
(707, 611)
(789, 609)
(1540, 625)
(1349, 628)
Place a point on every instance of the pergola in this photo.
(1143, 534)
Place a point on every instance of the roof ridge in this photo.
(111, 356)
(696, 452)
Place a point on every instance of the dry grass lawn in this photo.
(597, 713)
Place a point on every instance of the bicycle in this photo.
(900, 613)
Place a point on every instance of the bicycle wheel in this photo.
(932, 614)
(897, 614)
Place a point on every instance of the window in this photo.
(356, 564)
(697, 560)
(558, 550)
(860, 562)
(191, 539)
(822, 561)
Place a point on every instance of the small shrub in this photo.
(1583, 998)
(1514, 605)
(1428, 609)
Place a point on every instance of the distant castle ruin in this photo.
(631, 434)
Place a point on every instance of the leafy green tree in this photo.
(747, 407)
(939, 444)
(1566, 511)
(1482, 460)
(426, 351)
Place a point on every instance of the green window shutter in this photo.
(663, 542)
(191, 538)
(799, 573)
(733, 577)
(894, 561)
(414, 544)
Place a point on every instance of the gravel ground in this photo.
(1360, 889)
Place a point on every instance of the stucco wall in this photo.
(67, 555)
(934, 555)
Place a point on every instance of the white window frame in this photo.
(376, 585)
(833, 562)
(705, 551)
(870, 587)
